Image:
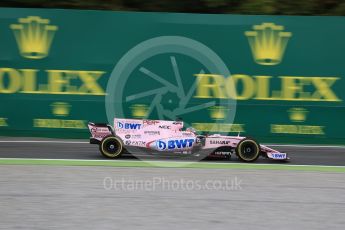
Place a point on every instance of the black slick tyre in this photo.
(248, 150)
(111, 147)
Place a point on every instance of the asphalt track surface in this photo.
(72, 197)
(89, 197)
(80, 149)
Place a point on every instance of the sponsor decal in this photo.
(99, 132)
(152, 132)
(218, 112)
(164, 126)
(219, 142)
(132, 136)
(219, 127)
(297, 129)
(135, 143)
(220, 153)
(124, 131)
(150, 122)
(62, 82)
(293, 88)
(174, 144)
(139, 110)
(298, 116)
(122, 125)
(138, 143)
(61, 109)
(100, 135)
(259, 87)
(34, 36)
(3, 122)
(279, 155)
(187, 134)
(58, 123)
(268, 51)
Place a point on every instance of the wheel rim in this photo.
(111, 147)
(248, 150)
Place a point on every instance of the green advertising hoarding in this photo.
(276, 78)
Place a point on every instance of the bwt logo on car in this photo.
(174, 144)
(279, 155)
(121, 125)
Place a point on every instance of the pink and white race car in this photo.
(161, 136)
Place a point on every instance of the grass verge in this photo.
(171, 164)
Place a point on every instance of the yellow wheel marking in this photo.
(108, 154)
(239, 148)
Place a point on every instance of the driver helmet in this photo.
(191, 129)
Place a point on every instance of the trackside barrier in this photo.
(283, 75)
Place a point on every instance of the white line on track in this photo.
(86, 142)
(171, 162)
(307, 146)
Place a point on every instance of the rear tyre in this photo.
(111, 147)
(248, 150)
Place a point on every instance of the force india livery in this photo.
(160, 136)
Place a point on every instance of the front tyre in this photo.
(111, 147)
(248, 150)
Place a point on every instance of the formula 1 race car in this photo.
(161, 136)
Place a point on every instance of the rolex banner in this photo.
(279, 79)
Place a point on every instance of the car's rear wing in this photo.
(99, 131)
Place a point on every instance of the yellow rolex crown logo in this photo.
(139, 110)
(298, 114)
(217, 112)
(268, 42)
(34, 36)
(60, 108)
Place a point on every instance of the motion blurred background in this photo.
(276, 7)
(58, 57)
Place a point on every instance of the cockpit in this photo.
(191, 129)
